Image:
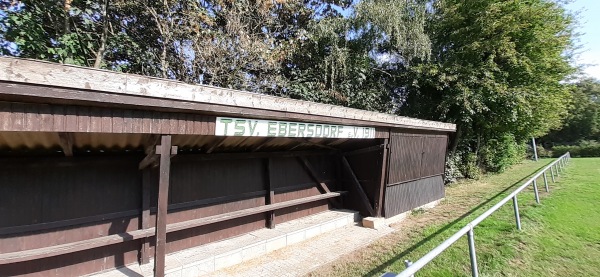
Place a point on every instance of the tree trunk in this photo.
(163, 60)
(66, 9)
(103, 38)
(455, 139)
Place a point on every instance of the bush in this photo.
(584, 149)
(452, 171)
(469, 168)
(559, 150)
(543, 152)
(500, 154)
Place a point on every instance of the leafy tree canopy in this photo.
(583, 121)
(496, 68)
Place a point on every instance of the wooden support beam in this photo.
(380, 192)
(66, 143)
(51, 251)
(364, 199)
(312, 173)
(151, 142)
(165, 151)
(270, 193)
(151, 159)
(145, 218)
(321, 185)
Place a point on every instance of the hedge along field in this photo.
(560, 236)
(583, 150)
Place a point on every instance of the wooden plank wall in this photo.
(416, 168)
(285, 169)
(49, 201)
(61, 118)
(407, 196)
(56, 201)
(32, 117)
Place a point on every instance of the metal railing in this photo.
(556, 166)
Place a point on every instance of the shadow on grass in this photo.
(401, 255)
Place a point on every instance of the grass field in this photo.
(560, 237)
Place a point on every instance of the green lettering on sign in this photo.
(226, 121)
(239, 127)
(311, 130)
(292, 129)
(301, 127)
(282, 129)
(226, 126)
(272, 128)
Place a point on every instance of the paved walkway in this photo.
(293, 248)
(302, 258)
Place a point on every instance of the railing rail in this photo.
(556, 166)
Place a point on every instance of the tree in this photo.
(583, 121)
(496, 69)
(236, 44)
(351, 60)
(57, 31)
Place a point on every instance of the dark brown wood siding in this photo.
(415, 171)
(407, 196)
(53, 201)
(406, 152)
(291, 181)
(83, 119)
(46, 201)
(415, 156)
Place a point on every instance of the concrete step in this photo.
(218, 255)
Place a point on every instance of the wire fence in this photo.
(555, 168)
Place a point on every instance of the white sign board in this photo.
(227, 126)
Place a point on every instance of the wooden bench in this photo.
(66, 248)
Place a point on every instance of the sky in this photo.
(589, 27)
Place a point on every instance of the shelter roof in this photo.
(24, 80)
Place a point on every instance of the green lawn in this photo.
(560, 237)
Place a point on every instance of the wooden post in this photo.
(381, 191)
(270, 193)
(165, 151)
(145, 222)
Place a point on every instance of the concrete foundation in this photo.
(374, 222)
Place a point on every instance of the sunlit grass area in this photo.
(560, 236)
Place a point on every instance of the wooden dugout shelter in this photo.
(100, 169)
